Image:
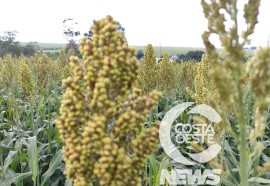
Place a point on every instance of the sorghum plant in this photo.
(26, 79)
(166, 76)
(99, 131)
(204, 88)
(148, 74)
(43, 71)
(185, 73)
(8, 72)
(228, 77)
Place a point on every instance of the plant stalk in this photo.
(243, 134)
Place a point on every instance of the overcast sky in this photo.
(165, 22)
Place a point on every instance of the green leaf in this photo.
(258, 180)
(164, 164)
(14, 178)
(68, 182)
(9, 159)
(54, 164)
(153, 168)
(33, 156)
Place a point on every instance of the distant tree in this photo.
(139, 54)
(9, 36)
(89, 33)
(253, 48)
(121, 28)
(71, 34)
(8, 45)
(30, 49)
(196, 55)
(191, 55)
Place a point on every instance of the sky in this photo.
(159, 22)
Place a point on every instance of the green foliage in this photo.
(8, 45)
(30, 49)
(191, 55)
(140, 54)
(29, 144)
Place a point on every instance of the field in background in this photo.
(170, 50)
(159, 50)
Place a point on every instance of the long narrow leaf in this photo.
(9, 159)
(258, 180)
(153, 168)
(68, 182)
(33, 156)
(164, 164)
(14, 178)
(54, 164)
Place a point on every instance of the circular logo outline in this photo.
(165, 137)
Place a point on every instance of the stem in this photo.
(2, 161)
(243, 134)
(241, 109)
(38, 182)
(150, 173)
(96, 183)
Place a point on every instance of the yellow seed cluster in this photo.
(63, 59)
(265, 168)
(26, 79)
(12, 103)
(6, 76)
(205, 91)
(98, 130)
(166, 76)
(43, 71)
(259, 71)
(148, 74)
(60, 68)
(69, 54)
(201, 82)
(185, 73)
(56, 72)
(66, 72)
(8, 72)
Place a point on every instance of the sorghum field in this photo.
(94, 119)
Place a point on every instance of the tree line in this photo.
(190, 55)
(9, 45)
